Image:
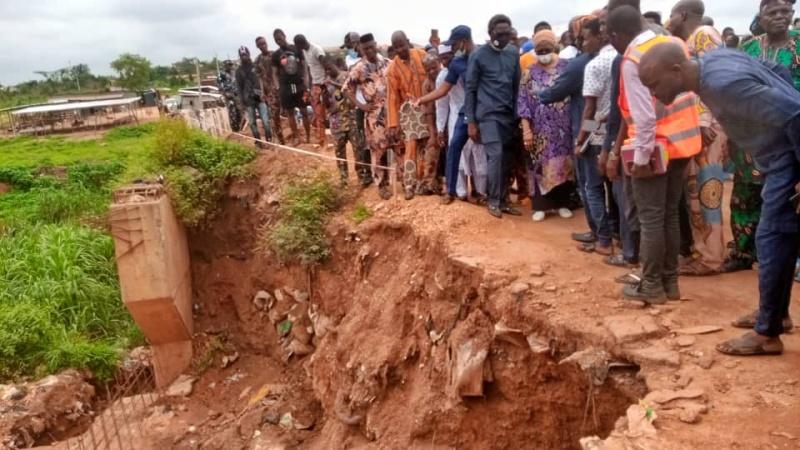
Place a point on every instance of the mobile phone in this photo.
(590, 126)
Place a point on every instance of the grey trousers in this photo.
(657, 201)
(497, 138)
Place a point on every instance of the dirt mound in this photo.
(409, 356)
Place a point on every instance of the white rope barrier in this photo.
(308, 153)
(392, 178)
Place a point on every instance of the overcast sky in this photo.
(50, 34)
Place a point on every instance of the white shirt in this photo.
(568, 53)
(351, 60)
(443, 104)
(597, 83)
(315, 67)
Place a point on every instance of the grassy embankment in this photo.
(60, 304)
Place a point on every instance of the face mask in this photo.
(352, 53)
(546, 59)
(460, 53)
(498, 45)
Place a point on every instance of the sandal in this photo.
(696, 269)
(616, 261)
(631, 278)
(749, 345)
(748, 322)
(586, 247)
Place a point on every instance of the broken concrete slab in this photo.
(632, 328)
(685, 341)
(663, 396)
(655, 355)
(640, 421)
(511, 335)
(691, 413)
(182, 387)
(518, 289)
(701, 329)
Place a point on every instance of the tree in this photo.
(134, 71)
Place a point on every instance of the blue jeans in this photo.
(592, 187)
(457, 142)
(777, 242)
(264, 114)
(630, 248)
(581, 173)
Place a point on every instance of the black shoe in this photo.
(448, 199)
(496, 212)
(409, 194)
(384, 192)
(737, 264)
(510, 211)
(366, 182)
(638, 293)
(587, 237)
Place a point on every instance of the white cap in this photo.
(444, 49)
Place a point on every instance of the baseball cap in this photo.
(347, 39)
(458, 33)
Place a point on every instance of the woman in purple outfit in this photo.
(547, 132)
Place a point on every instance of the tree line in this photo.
(133, 73)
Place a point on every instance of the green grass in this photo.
(128, 146)
(305, 204)
(60, 304)
(360, 213)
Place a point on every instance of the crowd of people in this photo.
(638, 120)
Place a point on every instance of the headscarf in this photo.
(544, 36)
(577, 23)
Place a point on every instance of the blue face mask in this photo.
(352, 53)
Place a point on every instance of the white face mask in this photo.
(460, 53)
(545, 59)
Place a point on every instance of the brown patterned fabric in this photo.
(412, 122)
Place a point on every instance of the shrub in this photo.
(171, 136)
(196, 167)
(96, 175)
(300, 233)
(18, 177)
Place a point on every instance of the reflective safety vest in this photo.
(677, 124)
